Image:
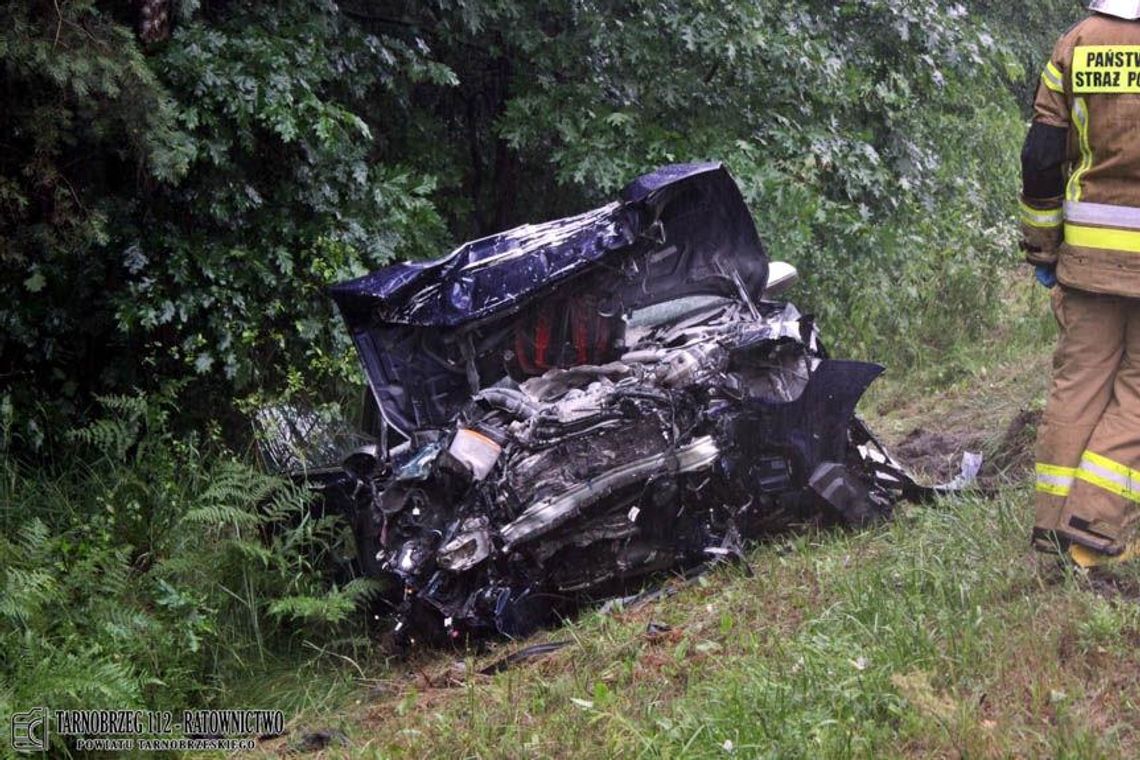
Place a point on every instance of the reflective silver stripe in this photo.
(1081, 212)
(1054, 479)
(1116, 479)
(1061, 481)
(1119, 479)
(1108, 469)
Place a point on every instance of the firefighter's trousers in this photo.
(1088, 445)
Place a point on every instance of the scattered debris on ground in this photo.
(315, 741)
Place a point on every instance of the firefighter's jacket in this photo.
(1080, 205)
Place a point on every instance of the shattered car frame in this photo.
(590, 401)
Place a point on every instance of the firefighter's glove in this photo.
(1046, 274)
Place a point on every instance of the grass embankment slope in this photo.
(937, 635)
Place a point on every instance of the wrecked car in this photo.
(569, 408)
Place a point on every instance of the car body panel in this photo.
(681, 230)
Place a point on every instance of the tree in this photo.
(180, 180)
(176, 210)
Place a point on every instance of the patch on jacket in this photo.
(1106, 69)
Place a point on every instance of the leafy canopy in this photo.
(174, 210)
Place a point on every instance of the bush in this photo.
(155, 572)
(173, 209)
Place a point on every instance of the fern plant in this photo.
(152, 571)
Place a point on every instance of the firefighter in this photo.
(1080, 219)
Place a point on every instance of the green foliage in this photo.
(81, 108)
(153, 572)
(177, 211)
(928, 637)
(898, 216)
(174, 212)
(1029, 31)
(281, 197)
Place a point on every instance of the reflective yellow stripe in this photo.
(1054, 489)
(1052, 78)
(1036, 217)
(1051, 84)
(1097, 237)
(1108, 485)
(1110, 475)
(1056, 471)
(1054, 479)
(1081, 122)
(1111, 466)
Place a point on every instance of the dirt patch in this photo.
(1107, 584)
(937, 455)
(1013, 454)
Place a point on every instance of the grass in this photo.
(937, 635)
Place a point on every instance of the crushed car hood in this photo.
(432, 334)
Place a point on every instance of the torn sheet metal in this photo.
(593, 401)
(426, 330)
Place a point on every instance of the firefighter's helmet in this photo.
(1129, 9)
